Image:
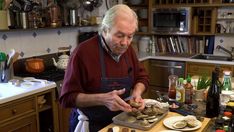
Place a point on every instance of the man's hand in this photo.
(140, 101)
(113, 101)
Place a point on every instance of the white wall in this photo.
(24, 41)
(29, 44)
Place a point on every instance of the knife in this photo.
(128, 98)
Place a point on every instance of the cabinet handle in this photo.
(13, 111)
(164, 66)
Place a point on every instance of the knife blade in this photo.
(128, 98)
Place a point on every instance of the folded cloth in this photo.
(83, 124)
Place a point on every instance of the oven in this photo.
(159, 72)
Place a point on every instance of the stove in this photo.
(50, 75)
(54, 75)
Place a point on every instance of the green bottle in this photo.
(227, 84)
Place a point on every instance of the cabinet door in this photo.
(26, 124)
(64, 114)
(204, 21)
(199, 69)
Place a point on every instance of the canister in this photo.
(144, 44)
(24, 20)
(73, 17)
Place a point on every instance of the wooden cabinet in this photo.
(143, 13)
(33, 113)
(25, 124)
(64, 115)
(194, 68)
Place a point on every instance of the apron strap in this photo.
(103, 67)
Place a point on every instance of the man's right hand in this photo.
(113, 101)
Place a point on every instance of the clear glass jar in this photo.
(173, 79)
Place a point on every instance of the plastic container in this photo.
(144, 44)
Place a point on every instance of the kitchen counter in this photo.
(160, 127)
(186, 58)
(9, 92)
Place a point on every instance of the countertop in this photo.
(9, 92)
(185, 58)
(160, 127)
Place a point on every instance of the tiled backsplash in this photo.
(39, 42)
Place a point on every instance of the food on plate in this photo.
(180, 124)
(189, 121)
(150, 113)
(142, 116)
(144, 122)
(131, 119)
(152, 120)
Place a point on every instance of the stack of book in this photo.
(183, 45)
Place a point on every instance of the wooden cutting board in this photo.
(160, 127)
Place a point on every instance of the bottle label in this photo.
(178, 95)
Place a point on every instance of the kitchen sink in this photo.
(211, 57)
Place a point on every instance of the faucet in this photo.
(231, 53)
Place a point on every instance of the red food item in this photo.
(228, 114)
(219, 130)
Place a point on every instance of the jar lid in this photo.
(227, 72)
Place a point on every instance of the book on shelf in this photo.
(180, 45)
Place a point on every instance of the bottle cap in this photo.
(181, 80)
(189, 79)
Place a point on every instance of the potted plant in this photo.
(202, 84)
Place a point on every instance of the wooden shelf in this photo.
(46, 28)
(45, 107)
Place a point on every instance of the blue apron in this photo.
(100, 116)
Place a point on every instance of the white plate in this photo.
(168, 122)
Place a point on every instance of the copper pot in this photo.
(34, 65)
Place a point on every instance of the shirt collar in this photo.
(107, 48)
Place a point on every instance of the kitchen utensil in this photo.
(6, 4)
(128, 98)
(55, 15)
(14, 58)
(10, 56)
(34, 65)
(24, 20)
(89, 5)
(62, 62)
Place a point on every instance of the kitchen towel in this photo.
(83, 124)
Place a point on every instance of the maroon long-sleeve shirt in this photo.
(83, 73)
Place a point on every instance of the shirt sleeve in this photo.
(140, 73)
(72, 81)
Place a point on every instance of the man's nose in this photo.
(125, 41)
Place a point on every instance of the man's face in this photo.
(120, 36)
